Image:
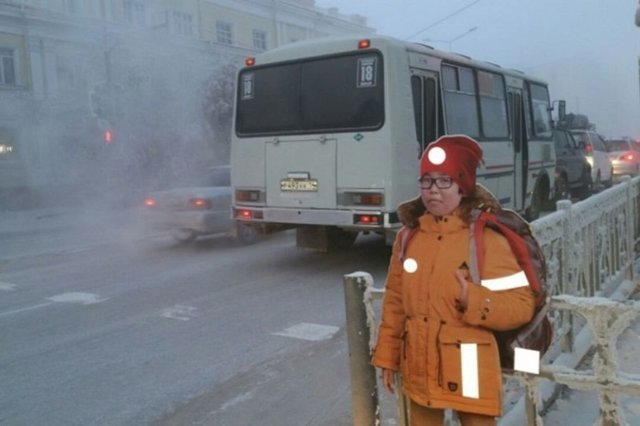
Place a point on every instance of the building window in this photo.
(224, 32)
(182, 23)
(8, 74)
(134, 12)
(260, 39)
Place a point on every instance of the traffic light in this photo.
(108, 136)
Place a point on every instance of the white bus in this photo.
(328, 134)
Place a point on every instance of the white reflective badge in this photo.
(526, 360)
(410, 265)
(436, 155)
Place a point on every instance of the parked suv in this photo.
(573, 171)
(597, 155)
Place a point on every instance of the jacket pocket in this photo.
(487, 364)
(412, 361)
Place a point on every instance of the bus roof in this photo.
(338, 44)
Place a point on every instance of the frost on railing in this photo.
(590, 248)
(607, 320)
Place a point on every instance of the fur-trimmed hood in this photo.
(410, 211)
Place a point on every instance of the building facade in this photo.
(94, 91)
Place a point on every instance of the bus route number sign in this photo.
(247, 87)
(367, 72)
(299, 185)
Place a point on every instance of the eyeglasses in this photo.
(442, 182)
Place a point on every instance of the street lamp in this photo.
(450, 42)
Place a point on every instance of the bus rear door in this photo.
(425, 92)
(520, 148)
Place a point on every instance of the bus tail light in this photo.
(245, 195)
(367, 199)
(367, 219)
(365, 43)
(250, 61)
(149, 202)
(361, 199)
(247, 214)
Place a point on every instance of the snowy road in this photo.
(102, 324)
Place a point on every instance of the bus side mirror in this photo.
(638, 16)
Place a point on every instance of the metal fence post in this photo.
(630, 227)
(569, 278)
(364, 392)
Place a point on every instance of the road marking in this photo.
(77, 297)
(7, 286)
(73, 297)
(180, 312)
(308, 331)
(236, 400)
(28, 308)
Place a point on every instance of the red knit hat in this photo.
(457, 156)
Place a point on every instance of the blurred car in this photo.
(597, 156)
(195, 207)
(573, 171)
(625, 157)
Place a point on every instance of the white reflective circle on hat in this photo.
(410, 265)
(436, 155)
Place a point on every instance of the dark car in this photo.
(573, 171)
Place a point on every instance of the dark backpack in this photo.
(537, 333)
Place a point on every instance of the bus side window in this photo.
(540, 110)
(492, 105)
(460, 104)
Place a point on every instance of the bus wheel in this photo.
(340, 239)
(245, 233)
(533, 211)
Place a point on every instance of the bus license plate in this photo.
(307, 185)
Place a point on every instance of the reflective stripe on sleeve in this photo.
(506, 283)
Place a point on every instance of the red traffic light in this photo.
(108, 136)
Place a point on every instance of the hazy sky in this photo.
(587, 50)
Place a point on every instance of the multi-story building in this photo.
(94, 91)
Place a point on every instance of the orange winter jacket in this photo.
(424, 335)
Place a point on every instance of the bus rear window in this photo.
(330, 94)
